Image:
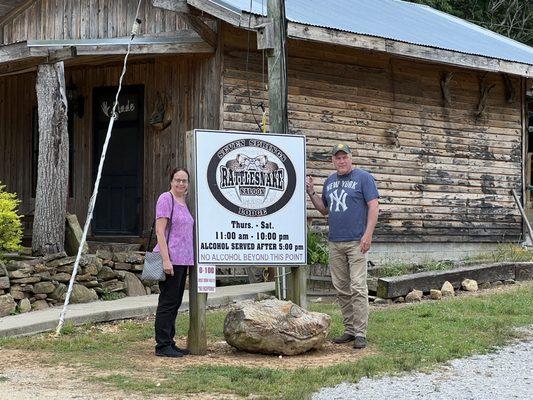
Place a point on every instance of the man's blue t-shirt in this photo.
(346, 197)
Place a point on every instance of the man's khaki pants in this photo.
(348, 274)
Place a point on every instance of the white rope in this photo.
(92, 201)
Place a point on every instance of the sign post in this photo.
(197, 338)
(249, 207)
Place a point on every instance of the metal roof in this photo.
(397, 20)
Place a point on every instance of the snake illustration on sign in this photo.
(251, 177)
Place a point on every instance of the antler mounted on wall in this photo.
(161, 117)
(445, 87)
(484, 90)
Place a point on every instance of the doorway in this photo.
(118, 206)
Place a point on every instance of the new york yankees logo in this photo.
(339, 200)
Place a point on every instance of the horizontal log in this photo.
(391, 287)
(524, 272)
(403, 237)
(386, 92)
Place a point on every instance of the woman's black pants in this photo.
(167, 307)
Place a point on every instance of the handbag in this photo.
(153, 261)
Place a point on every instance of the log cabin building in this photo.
(434, 107)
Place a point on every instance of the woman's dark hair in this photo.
(178, 170)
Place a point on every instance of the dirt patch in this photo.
(220, 353)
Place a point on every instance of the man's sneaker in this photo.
(359, 342)
(185, 352)
(168, 351)
(343, 339)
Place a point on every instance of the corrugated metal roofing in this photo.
(398, 20)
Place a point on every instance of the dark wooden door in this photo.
(118, 205)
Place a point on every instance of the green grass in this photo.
(414, 337)
(504, 252)
(396, 268)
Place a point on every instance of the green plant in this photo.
(107, 295)
(317, 249)
(10, 225)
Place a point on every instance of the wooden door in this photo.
(118, 206)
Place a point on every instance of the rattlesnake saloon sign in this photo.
(250, 198)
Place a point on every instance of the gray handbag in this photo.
(153, 262)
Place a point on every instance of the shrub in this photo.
(10, 225)
(317, 248)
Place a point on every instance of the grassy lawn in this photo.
(402, 339)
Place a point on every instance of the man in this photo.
(350, 199)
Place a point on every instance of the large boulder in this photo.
(275, 327)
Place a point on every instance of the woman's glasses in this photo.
(184, 181)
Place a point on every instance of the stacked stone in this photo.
(39, 283)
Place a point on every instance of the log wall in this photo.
(84, 19)
(444, 175)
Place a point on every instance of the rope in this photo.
(92, 201)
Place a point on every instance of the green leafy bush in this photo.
(317, 248)
(10, 225)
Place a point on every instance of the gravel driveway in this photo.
(504, 374)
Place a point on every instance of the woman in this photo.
(177, 253)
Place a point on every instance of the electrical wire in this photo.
(92, 201)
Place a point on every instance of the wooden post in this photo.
(278, 90)
(277, 69)
(197, 338)
(278, 94)
(298, 283)
(52, 178)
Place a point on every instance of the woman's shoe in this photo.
(168, 351)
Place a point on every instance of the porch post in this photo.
(52, 176)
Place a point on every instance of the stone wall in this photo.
(38, 283)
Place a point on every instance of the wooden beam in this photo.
(179, 48)
(229, 14)
(200, 27)
(187, 13)
(179, 6)
(325, 35)
(186, 41)
(16, 11)
(14, 52)
(54, 55)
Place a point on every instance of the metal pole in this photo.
(517, 200)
